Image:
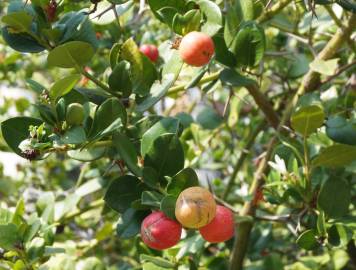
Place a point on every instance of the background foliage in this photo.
(269, 125)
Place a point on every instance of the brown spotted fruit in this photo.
(195, 207)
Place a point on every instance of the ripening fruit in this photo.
(150, 51)
(160, 232)
(195, 207)
(221, 228)
(196, 49)
(75, 114)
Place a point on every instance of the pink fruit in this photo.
(196, 49)
(160, 232)
(150, 51)
(221, 228)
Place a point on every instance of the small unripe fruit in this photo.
(196, 49)
(150, 51)
(75, 114)
(221, 228)
(160, 232)
(195, 207)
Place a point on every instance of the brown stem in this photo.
(241, 160)
(243, 230)
(264, 104)
(310, 82)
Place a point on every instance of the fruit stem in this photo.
(176, 89)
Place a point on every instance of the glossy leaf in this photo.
(15, 130)
(123, 191)
(9, 236)
(168, 205)
(72, 54)
(213, 17)
(307, 120)
(307, 240)
(163, 126)
(249, 45)
(165, 155)
(334, 197)
(182, 180)
(127, 152)
(337, 155)
(341, 130)
(63, 86)
(143, 73)
(130, 223)
(106, 114)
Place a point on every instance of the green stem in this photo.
(98, 83)
(176, 89)
(273, 11)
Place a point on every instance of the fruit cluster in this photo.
(195, 209)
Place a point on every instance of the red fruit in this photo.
(160, 232)
(221, 228)
(196, 49)
(150, 51)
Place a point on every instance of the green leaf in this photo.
(170, 74)
(334, 197)
(105, 115)
(213, 17)
(74, 135)
(151, 198)
(36, 248)
(184, 179)
(163, 126)
(321, 224)
(78, 27)
(246, 9)
(339, 235)
(233, 78)
(87, 154)
(249, 44)
(114, 55)
(21, 42)
(127, 152)
(222, 53)
(324, 67)
(307, 240)
(143, 72)
(9, 236)
(130, 223)
(150, 177)
(63, 86)
(299, 66)
(20, 21)
(152, 266)
(307, 120)
(123, 191)
(73, 54)
(208, 118)
(158, 261)
(190, 21)
(165, 155)
(15, 130)
(156, 6)
(337, 155)
(341, 130)
(168, 206)
(119, 79)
